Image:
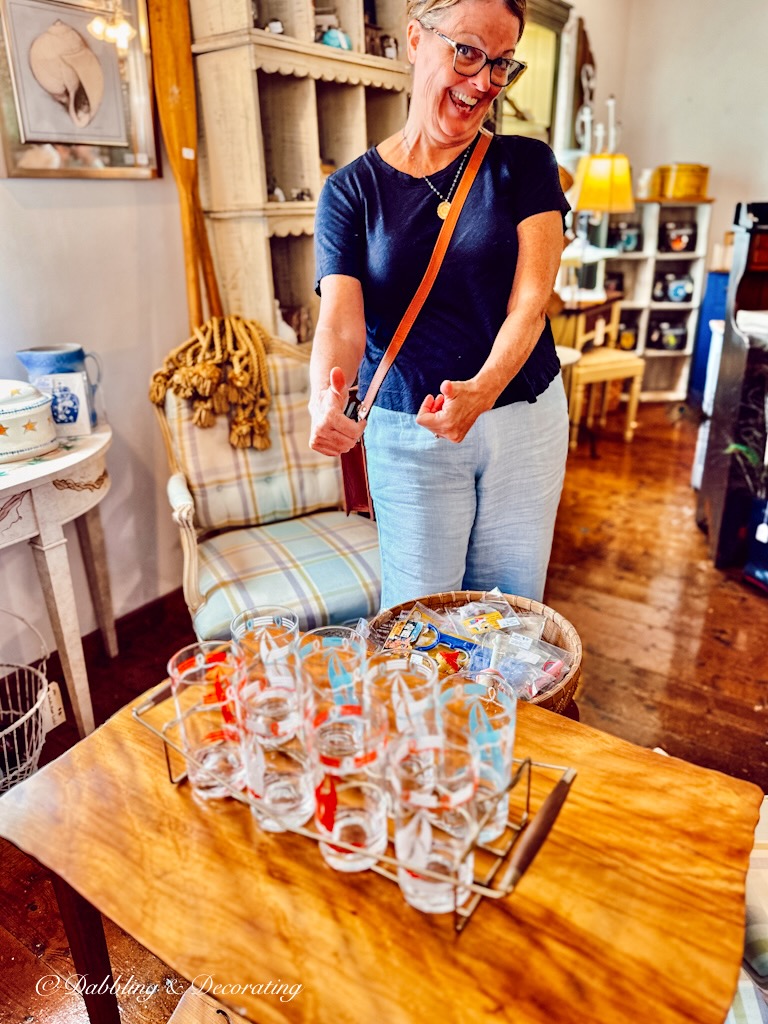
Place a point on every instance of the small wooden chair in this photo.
(602, 366)
(593, 331)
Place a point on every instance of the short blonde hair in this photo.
(431, 11)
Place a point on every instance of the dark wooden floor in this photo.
(674, 656)
(674, 649)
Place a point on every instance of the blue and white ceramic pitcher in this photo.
(51, 359)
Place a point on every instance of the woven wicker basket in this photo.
(557, 630)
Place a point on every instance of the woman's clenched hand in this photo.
(332, 432)
(453, 411)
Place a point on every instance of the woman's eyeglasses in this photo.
(470, 60)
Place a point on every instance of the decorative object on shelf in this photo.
(677, 236)
(70, 408)
(672, 286)
(43, 361)
(667, 335)
(301, 195)
(628, 337)
(644, 183)
(284, 329)
(625, 236)
(389, 47)
(300, 320)
(275, 26)
(76, 98)
(337, 37)
(274, 193)
(26, 423)
(373, 38)
(681, 182)
(223, 369)
(614, 281)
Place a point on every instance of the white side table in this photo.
(37, 497)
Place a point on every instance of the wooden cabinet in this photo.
(663, 281)
(276, 112)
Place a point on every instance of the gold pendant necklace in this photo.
(444, 206)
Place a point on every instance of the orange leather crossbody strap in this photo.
(430, 274)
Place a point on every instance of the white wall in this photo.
(696, 91)
(100, 264)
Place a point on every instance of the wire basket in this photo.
(558, 631)
(23, 692)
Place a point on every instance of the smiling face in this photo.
(450, 107)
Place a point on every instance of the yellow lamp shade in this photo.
(604, 184)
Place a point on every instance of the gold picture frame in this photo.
(73, 105)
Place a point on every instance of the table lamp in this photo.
(603, 185)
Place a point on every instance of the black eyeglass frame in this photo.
(515, 68)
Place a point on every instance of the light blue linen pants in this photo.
(468, 516)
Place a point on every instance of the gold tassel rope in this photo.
(223, 370)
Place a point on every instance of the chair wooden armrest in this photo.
(183, 510)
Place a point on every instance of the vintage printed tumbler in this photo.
(434, 784)
(203, 677)
(347, 744)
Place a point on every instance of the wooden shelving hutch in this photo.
(666, 368)
(271, 108)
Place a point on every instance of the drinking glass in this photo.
(347, 747)
(280, 781)
(266, 631)
(434, 784)
(270, 694)
(332, 658)
(406, 684)
(474, 711)
(203, 678)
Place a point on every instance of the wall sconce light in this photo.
(113, 29)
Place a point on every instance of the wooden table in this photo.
(37, 497)
(633, 909)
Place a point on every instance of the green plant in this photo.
(751, 451)
(753, 466)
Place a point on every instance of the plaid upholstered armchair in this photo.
(264, 527)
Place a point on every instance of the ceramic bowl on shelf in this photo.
(26, 424)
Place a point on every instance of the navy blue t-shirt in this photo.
(380, 225)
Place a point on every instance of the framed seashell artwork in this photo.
(75, 89)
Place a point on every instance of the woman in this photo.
(467, 439)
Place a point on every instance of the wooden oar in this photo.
(175, 90)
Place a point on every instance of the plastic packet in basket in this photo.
(517, 678)
(479, 618)
(507, 651)
(432, 631)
